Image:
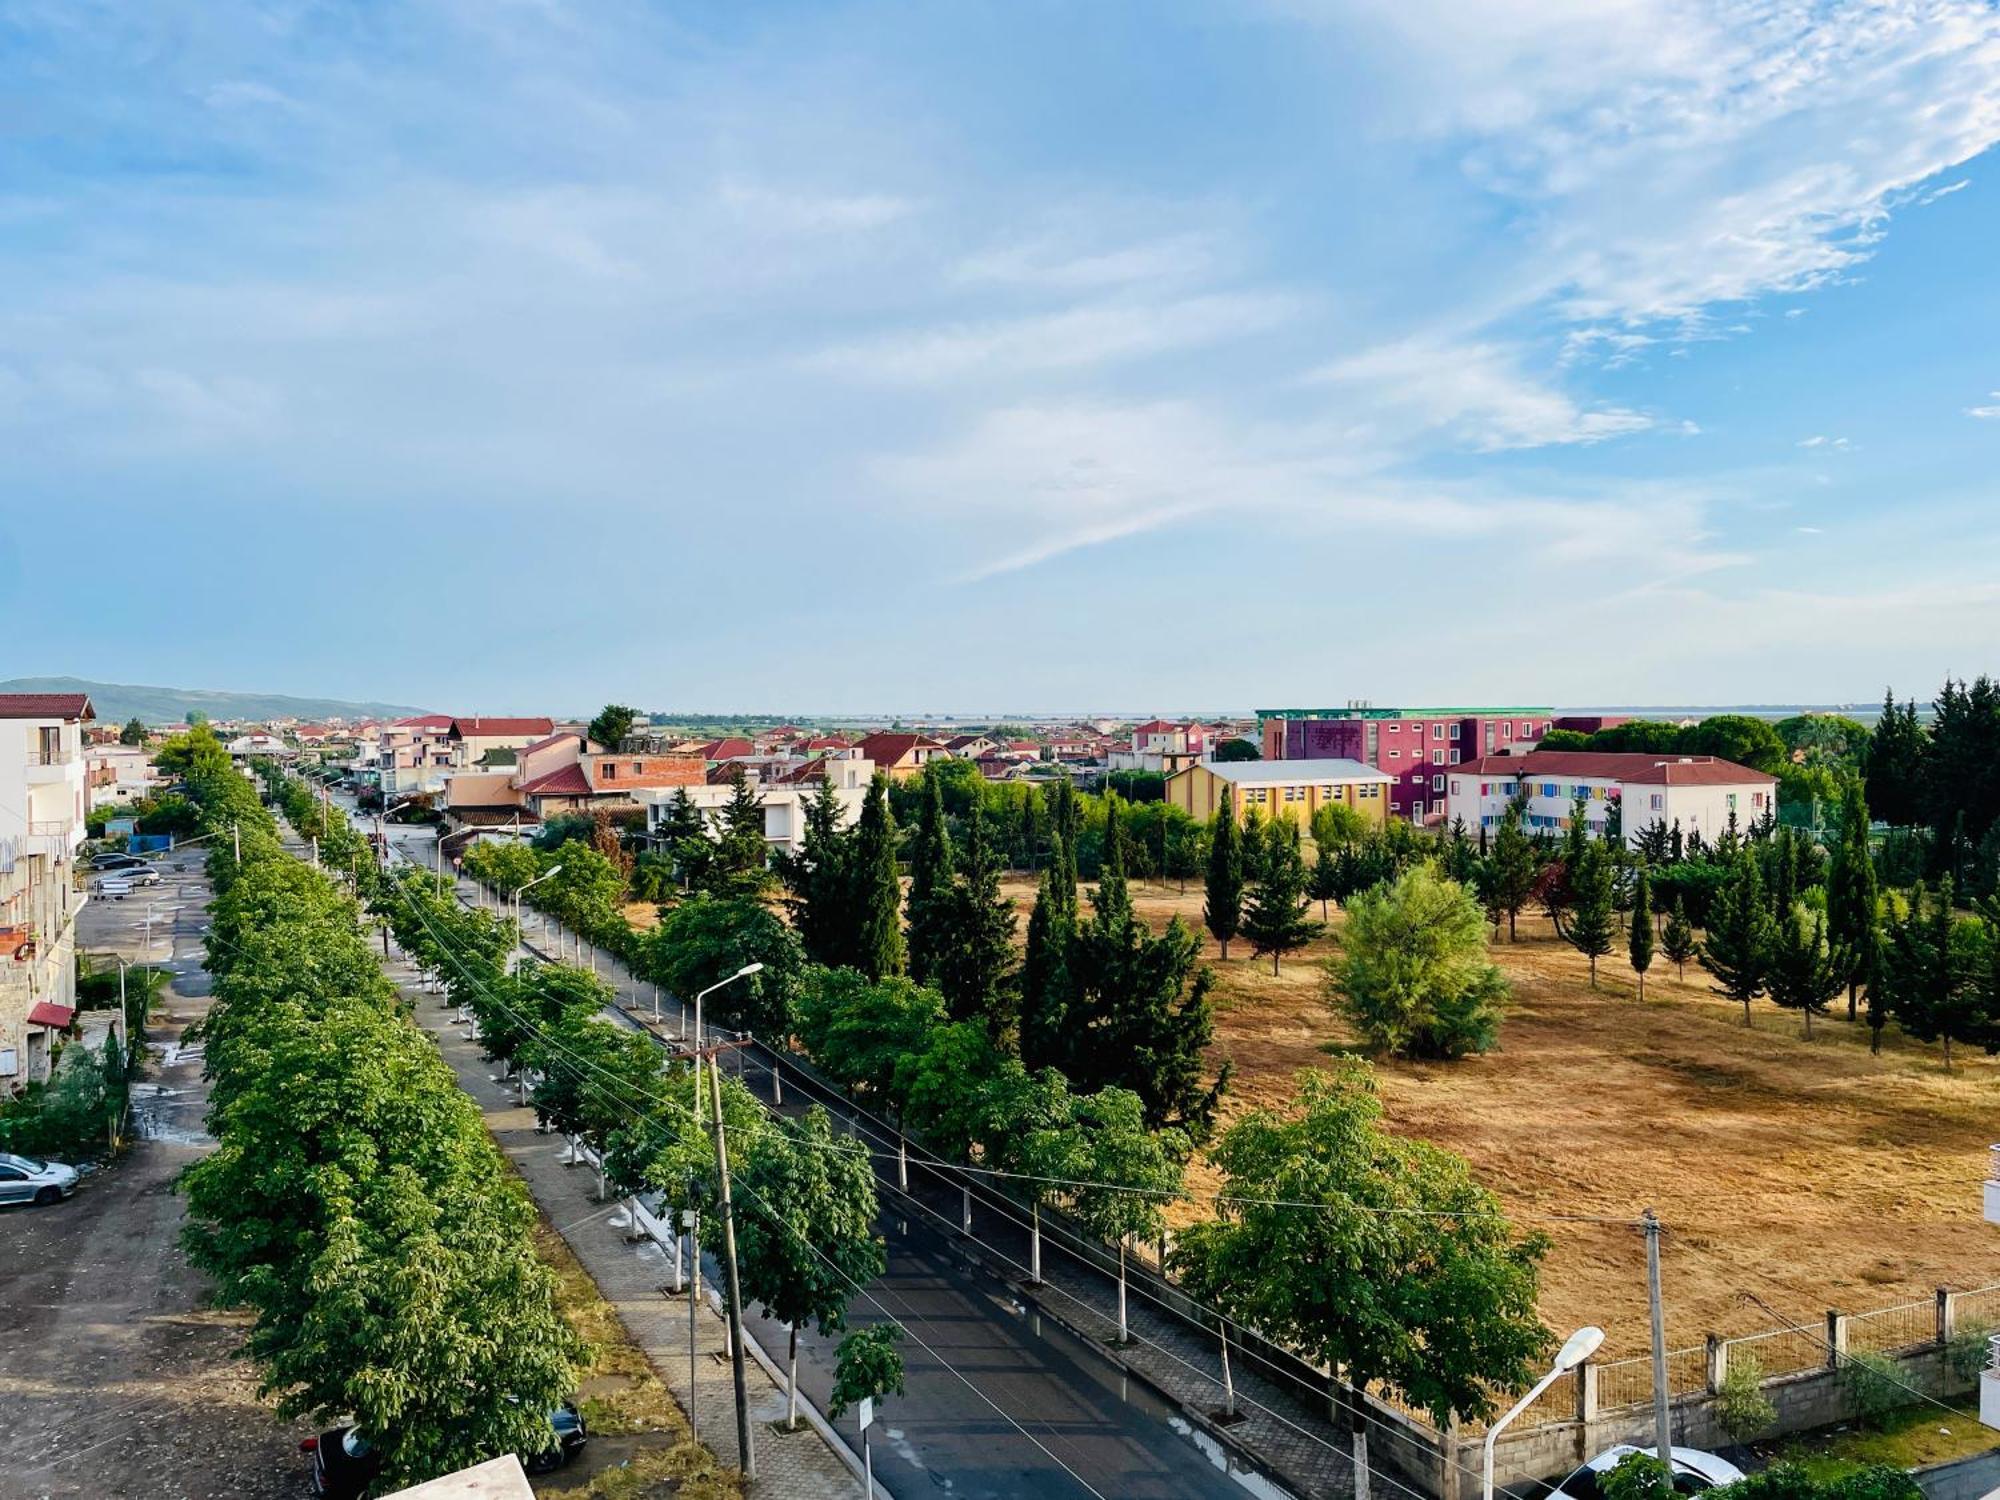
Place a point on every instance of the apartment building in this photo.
(784, 802)
(1161, 745)
(43, 799)
(1701, 793)
(1415, 747)
(1294, 789)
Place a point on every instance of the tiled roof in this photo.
(887, 749)
(1285, 772)
(46, 1013)
(564, 781)
(46, 706)
(501, 728)
(727, 749)
(1637, 767)
(543, 744)
(424, 721)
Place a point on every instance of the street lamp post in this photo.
(743, 973)
(1578, 1347)
(382, 816)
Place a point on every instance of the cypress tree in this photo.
(1112, 900)
(1589, 926)
(931, 893)
(876, 889)
(1737, 950)
(1512, 870)
(1852, 894)
(1639, 943)
(978, 950)
(1030, 833)
(1223, 908)
(1805, 971)
(822, 912)
(1275, 916)
(1677, 941)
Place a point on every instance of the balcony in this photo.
(1989, 1385)
(46, 768)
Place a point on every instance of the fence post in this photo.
(1947, 1315)
(1586, 1406)
(1836, 1337)
(1718, 1362)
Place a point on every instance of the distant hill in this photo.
(116, 702)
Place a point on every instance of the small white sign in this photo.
(867, 1416)
(687, 1218)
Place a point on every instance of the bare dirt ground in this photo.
(1809, 1174)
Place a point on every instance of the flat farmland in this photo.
(1809, 1175)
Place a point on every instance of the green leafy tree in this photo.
(1412, 975)
(1238, 749)
(1512, 870)
(1588, 927)
(1737, 950)
(1276, 911)
(876, 898)
(808, 1239)
(1105, 1139)
(1894, 766)
(1222, 910)
(860, 1032)
(1323, 881)
(867, 1367)
(1639, 941)
(1404, 1275)
(1929, 990)
(134, 732)
(707, 938)
(931, 933)
(612, 724)
(738, 861)
(1045, 972)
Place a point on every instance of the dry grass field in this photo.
(1809, 1174)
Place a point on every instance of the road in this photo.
(119, 1379)
(1002, 1403)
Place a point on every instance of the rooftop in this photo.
(46, 706)
(1503, 711)
(1636, 767)
(1284, 772)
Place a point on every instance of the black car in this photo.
(343, 1463)
(111, 859)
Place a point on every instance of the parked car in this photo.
(28, 1179)
(1694, 1472)
(113, 859)
(343, 1462)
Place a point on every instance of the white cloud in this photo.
(1810, 530)
(1986, 413)
(1820, 440)
(1944, 192)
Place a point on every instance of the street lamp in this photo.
(548, 874)
(743, 973)
(382, 838)
(1578, 1347)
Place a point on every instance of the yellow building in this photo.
(1282, 788)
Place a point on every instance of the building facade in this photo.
(1700, 793)
(1415, 747)
(43, 800)
(1281, 789)
(784, 803)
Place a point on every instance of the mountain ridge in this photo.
(119, 701)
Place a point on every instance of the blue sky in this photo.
(830, 357)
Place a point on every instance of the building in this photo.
(1699, 792)
(118, 774)
(900, 756)
(477, 741)
(413, 757)
(784, 802)
(1293, 789)
(1159, 745)
(43, 795)
(560, 773)
(1417, 747)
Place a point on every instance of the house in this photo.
(413, 757)
(1161, 745)
(784, 802)
(1293, 789)
(43, 794)
(728, 748)
(1701, 793)
(257, 746)
(970, 746)
(473, 740)
(899, 755)
(1417, 747)
(561, 774)
(118, 774)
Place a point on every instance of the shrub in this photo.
(1638, 1476)
(1413, 976)
(1874, 1387)
(1740, 1403)
(1965, 1356)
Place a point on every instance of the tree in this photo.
(1852, 895)
(1405, 1273)
(1805, 970)
(861, 1032)
(930, 933)
(1222, 910)
(1639, 942)
(1894, 765)
(1323, 882)
(612, 724)
(1512, 869)
(1929, 992)
(1238, 749)
(867, 1367)
(1045, 984)
(820, 881)
(134, 732)
(1275, 915)
(1110, 1141)
(1677, 941)
(1737, 950)
(977, 957)
(876, 888)
(1739, 738)
(738, 864)
(1589, 928)
(809, 1240)
(705, 939)
(1413, 975)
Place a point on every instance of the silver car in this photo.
(1694, 1471)
(25, 1179)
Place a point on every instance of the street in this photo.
(120, 1380)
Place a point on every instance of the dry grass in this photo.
(1808, 1173)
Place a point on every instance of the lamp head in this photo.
(748, 969)
(1578, 1347)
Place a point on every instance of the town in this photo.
(1059, 1012)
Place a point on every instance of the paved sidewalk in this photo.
(637, 1279)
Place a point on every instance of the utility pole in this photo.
(236, 835)
(743, 1448)
(1662, 1435)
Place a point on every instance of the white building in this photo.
(1699, 792)
(119, 774)
(784, 802)
(43, 796)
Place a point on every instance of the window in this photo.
(1393, 755)
(1416, 810)
(1437, 757)
(1659, 802)
(1393, 729)
(1437, 783)
(1732, 802)
(1437, 731)
(1548, 789)
(1506, 733)
(1454, 755)
(1294, 793)
(611, 774)
(1324, 793)
(1454, 728)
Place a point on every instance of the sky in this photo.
(839, 357)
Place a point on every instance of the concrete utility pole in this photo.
(743, 1448)
(1663, 1438)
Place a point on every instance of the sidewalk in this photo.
(636, 1279)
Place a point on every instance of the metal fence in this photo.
(1888, 1329)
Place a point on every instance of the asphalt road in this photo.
(1003, 1404)
(118, 1380)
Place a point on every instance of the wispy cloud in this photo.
(1986, 413)
(1944, 192)
(1820, 440)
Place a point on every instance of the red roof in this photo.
(727, 749)
(1629, 766)
(424, 721)
(887, 749)
(564, 781)
(42, 1013)
(46, 706)
(497, 728)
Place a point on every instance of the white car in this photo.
(25, 1179)
(1694, 1471)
